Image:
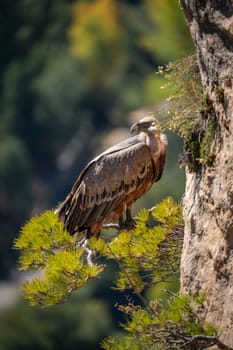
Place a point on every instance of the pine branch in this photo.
(204, 342)
(133, 286)
(145, 254)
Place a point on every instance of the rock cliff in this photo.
(207, 258)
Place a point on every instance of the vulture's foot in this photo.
(128, 223)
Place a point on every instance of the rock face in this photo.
(207, 258)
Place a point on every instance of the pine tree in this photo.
(146, 255)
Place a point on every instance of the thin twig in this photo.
(112, 225)
(139, 295)
(169, 292)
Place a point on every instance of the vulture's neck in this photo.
(153, 142)
(157, 144)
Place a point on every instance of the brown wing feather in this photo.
(106, 183)
(160, 161)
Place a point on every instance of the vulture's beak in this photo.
(134, 128)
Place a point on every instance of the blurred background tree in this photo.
(71, 71)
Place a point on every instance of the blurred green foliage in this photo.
(168, 41)
(14, 164)
(66, 78)
(75, 324)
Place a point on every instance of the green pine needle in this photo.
(145, 255)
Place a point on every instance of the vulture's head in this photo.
(149, 125)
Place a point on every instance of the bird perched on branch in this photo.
(110, 184)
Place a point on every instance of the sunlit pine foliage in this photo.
(146, 255)
(149, 253)
(174, 326)
(47, 247)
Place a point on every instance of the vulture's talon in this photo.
(128, 225)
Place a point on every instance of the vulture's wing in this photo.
(105, 182)
(160, 161)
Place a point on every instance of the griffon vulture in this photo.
(110, 184)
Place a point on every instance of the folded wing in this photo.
(110, 182)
